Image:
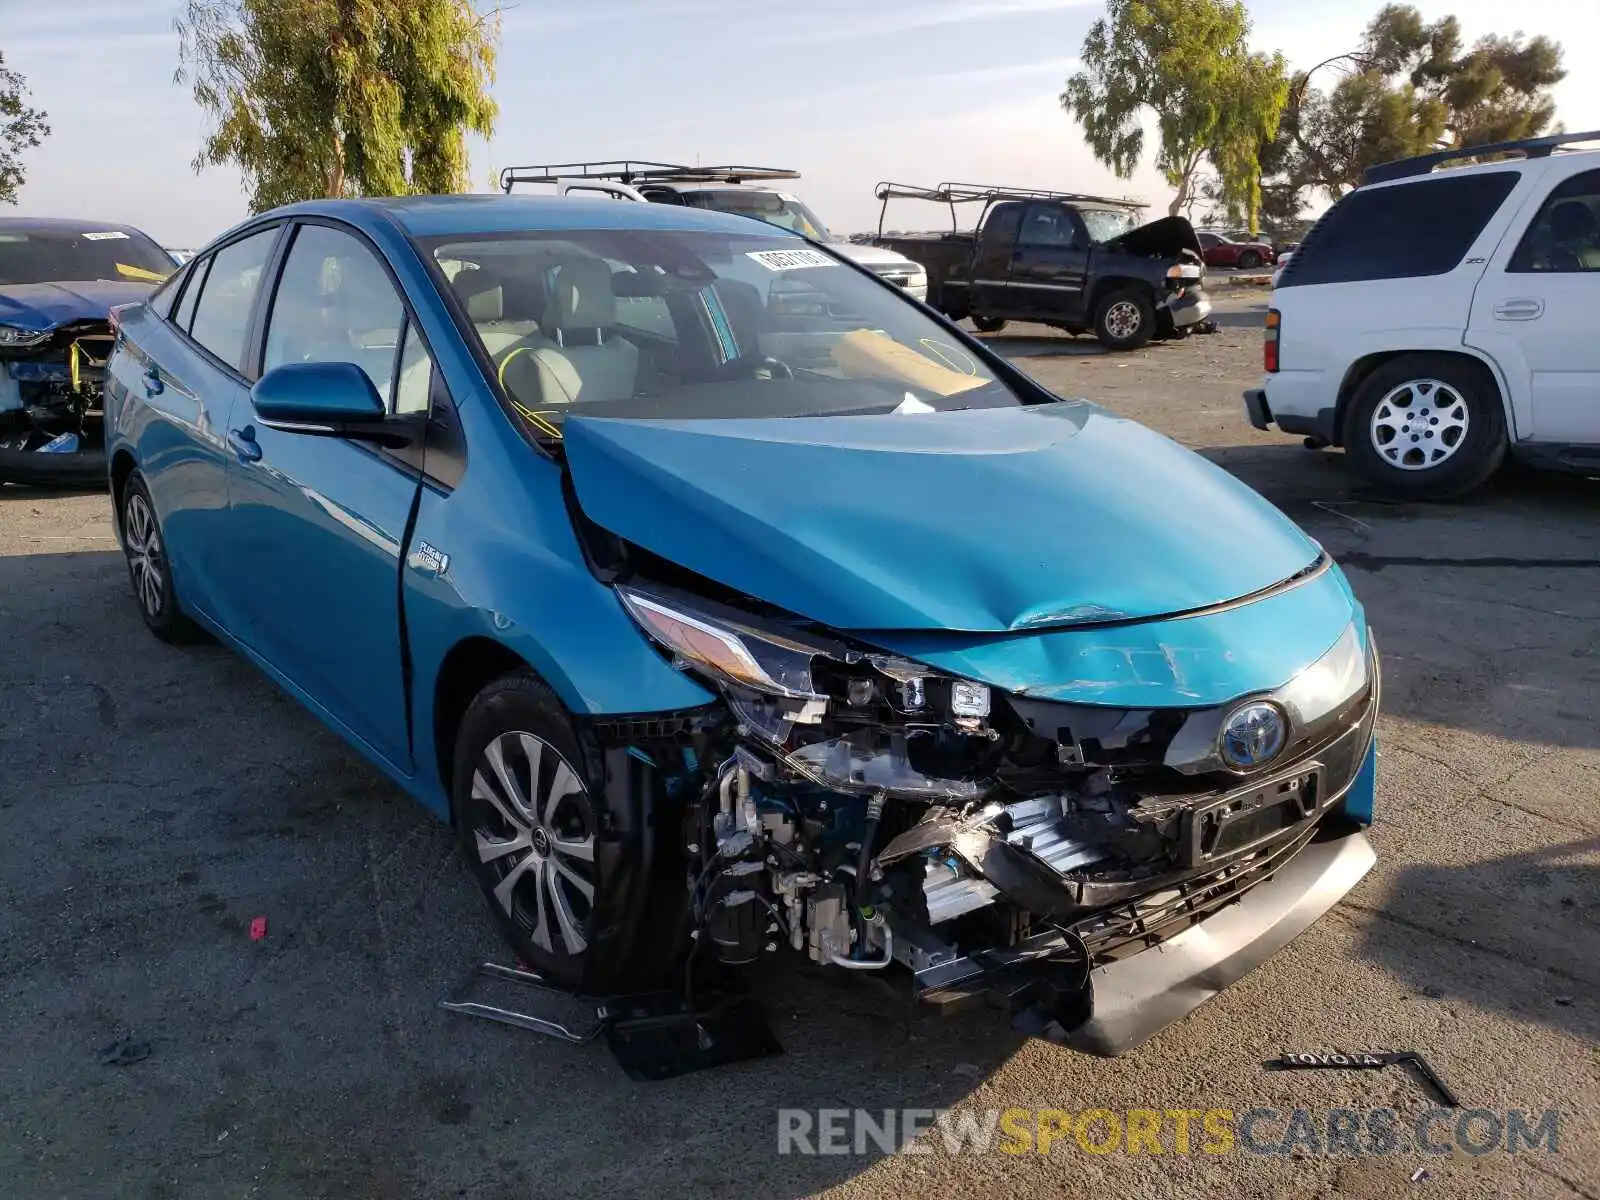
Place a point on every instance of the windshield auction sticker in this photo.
(791, 260)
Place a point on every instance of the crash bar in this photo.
(633, 170)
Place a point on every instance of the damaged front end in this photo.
(52, 405)
(868, 810)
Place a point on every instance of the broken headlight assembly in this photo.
(844, 718)
(15, 338)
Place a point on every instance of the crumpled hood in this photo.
(1169, 236)
(40, 306)
(981, 520)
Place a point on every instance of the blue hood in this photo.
(40, 306)
(976, 521)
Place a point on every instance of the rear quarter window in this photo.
(1399, 232)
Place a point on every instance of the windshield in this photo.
(686, 324)
(786, 212)
(1105, 224)
(70, 255)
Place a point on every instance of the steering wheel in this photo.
(746, 366)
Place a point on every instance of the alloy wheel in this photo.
(1122, 319)
(1419, 425)
(142, 540)
(534, 832)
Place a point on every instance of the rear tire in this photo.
(1125, 320)
(149, 568)
(988, 324)
(1426, 427)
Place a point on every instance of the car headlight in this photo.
(734, 653)
(13, 338)
(903, 727)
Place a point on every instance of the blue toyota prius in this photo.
(729, 602)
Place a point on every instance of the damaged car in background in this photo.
(732, 604)
(59, 282)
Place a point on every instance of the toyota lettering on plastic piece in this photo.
(1350, 1060)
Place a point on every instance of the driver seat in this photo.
(589, 361)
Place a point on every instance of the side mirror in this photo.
(334, 399)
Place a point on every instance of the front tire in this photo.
(988, 324)
(1426, 427)
(1125, 320)
(149, 568)
(530, 822)
(1249, 260)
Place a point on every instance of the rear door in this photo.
(991, 259)
(179, 379)
(1534, 311)
(319, 524)
(1051, 263)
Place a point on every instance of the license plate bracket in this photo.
(1239, 821)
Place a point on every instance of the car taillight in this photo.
(1269, 346)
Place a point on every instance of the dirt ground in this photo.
(154, 802)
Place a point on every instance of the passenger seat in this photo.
(589, 361)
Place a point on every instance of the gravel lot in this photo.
(155, 801)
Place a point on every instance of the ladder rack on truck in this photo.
(632, 171)
(985, 194)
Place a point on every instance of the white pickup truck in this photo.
(730, 189)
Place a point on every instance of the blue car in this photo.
(60, 281)
(731, 603)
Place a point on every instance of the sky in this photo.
(846, 92)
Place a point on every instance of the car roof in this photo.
(1455, 172)
(64, 225)
(442, 216)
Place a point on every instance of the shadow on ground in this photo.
(1539, 909)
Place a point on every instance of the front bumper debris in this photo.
(1189, 307)
(1136, 997)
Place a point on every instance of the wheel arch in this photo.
(1363, 368)
(1116, 283)
(468, 667)
(122, 467)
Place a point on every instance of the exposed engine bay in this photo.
(51, 391)
(864, 810)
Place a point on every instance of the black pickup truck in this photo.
(1076, 262)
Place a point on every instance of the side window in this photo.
(335, 304)
(1565, 236)
(222, 314)
(191, 292)
(411, 385)
(1001, 227)
(1048, 225)
(1209, 241)
(1400, 231)
(161, 299)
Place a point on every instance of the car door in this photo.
(319, 523)
(1534, 310)
(1051, 263)
(182, 378)
(991, 259)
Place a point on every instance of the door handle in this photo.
(244, 444)
(152, 381)
(1519, 308)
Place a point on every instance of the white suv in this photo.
(1433, 322)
